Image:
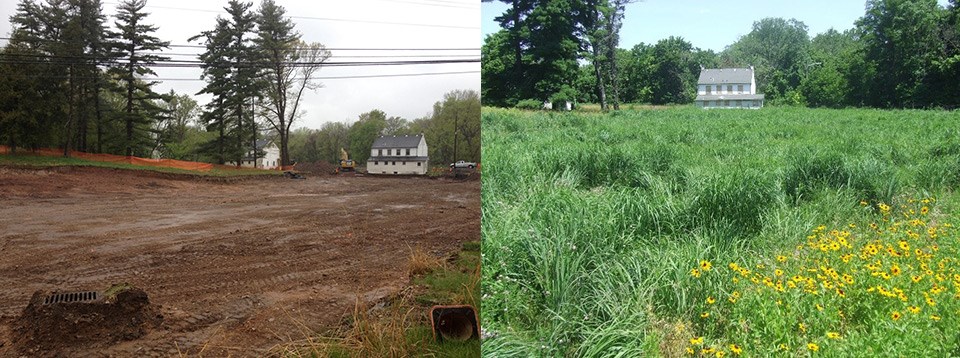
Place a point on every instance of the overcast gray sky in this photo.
(452, 24)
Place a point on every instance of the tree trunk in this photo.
(601, 90)
(253, 129)
(71, 112)
(240, 136)
(129, 117)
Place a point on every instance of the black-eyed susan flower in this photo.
(695, 273)
(696, 341)
(705, 315)
(706, 265)
(913, 309)
(711, 300)
(735, 349)
(895, 315)
(833, 335)
(813, 347)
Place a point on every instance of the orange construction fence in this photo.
(112, 158)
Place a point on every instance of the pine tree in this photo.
(132, 45)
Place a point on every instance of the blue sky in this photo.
(713, 24)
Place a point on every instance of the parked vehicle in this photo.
(463, 164)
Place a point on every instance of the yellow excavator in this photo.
(346, 165)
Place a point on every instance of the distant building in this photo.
(398, 155)
(269, 158)
(728, 88)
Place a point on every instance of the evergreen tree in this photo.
(133, 45)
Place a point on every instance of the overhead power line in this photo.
(19, 59)
(312, 78)
(444, 49)
(325, 18)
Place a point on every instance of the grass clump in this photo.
(605, 234)
(401, 328)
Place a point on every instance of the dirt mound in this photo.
(81, 321)
(320, 167)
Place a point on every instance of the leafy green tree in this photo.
(675, 71)
(900, 41)
(777, 48)
(137, 47)
(497, 82)
(364, 132)
(453, 130)
(825, 82)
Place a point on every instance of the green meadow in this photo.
(680, 231)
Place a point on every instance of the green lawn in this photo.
(45, 161)
(655, 232)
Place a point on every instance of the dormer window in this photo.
(408, 151)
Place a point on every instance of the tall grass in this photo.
(592, 222)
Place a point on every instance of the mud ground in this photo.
(237, 268)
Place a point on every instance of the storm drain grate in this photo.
(69, 297)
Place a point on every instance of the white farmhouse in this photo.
(728, 88)
(269, 160)
(398, 155)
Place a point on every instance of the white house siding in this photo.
(416, 167)
(722, 89)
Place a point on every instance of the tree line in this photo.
(899, 54)
(452, 132)
(69, 80)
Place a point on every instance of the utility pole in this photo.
(253, 122)
(456, 127)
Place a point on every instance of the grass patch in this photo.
(402, 328)
(595, 226)
(46, 161)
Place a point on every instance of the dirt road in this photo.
(237, 268)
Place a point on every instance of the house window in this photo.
(708, 88)
(394, 163)
(380, 152)
(418, 164)
(408, 151)
(389, 151)
(376, 163)
(729, 88)
(740, 89)
(726, 103)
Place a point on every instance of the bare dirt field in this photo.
(235, 268)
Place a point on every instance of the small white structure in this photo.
(270, 158)
(399, 155)
(728, 88)
(567, 105)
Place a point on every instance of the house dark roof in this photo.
(262, 143)
(715, 97)
(709, 76)
(389, 141)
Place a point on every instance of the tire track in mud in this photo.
(249, 257)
